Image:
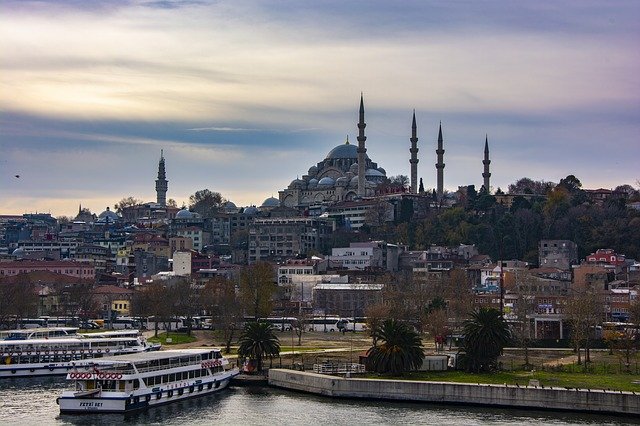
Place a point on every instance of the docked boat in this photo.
(39, 333)
(136, 382)
(57, 356)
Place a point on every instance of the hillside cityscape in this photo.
(344, 239)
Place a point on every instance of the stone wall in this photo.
(596, 401)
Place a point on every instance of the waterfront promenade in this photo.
(551, 398)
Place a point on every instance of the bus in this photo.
(326, 324)
(281, 323)
(124, 323)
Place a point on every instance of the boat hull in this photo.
(142, 399)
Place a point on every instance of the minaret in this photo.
(486, 175)
(440, 164)
(414, 155)
(161, 182)
(362, 169)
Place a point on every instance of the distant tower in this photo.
(161, 182)
(486, 175)
(362, 170)
(414, 155)
(440, 164)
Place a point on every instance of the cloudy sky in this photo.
(243, 96)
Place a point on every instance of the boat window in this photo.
(165, 378)
(172, 377)
(197, 373)
(191, 374)
(136, 383)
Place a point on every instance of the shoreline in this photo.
(619, 403)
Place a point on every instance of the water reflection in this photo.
(25, 400)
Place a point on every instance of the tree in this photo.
(219, 299)
(399, 180)
(378, 214)
(257, 287)
(485, 336)
(258, 340)
(172, 203)
(78, 301)
(155, 300)
(583, 312)
(530, 186)
(205, 202)
(437, 321)
(400, 351)
(18, 299)
(126, 202)
(186, 302)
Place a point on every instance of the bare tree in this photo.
(583, 311)
(220, 299)
(257, 287)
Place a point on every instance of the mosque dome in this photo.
(354, 168)
(326, 181)
(313, 170)
(271, 202)
(383, 171)
(342, 181)
(354, 182)
(251, 210)
(184, 214)
(108, 216)
(297, 183)
(374, 173)
(230, 207)
(345, 150)
(19, 253)
(313, 182)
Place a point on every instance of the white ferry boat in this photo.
(39, 333)
(136, 382)
(57, 356)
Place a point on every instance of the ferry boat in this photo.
(39, 333)
(136, 382)
(57, 356)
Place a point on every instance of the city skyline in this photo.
(245, 96)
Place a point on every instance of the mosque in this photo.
(347, 173)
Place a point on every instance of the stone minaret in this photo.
(362, 167)
(440, 165)
(414, 156)
(486, 175)
(161, 182)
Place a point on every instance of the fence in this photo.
(333, 368)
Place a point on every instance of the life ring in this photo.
(73, 351)
(99, 351)
(50, 368)
(90, 351)
(28, 352)
(107, 350)
(81, 351)
(46, 351)
(32, 370)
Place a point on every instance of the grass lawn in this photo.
(176, 338)
(556, 379)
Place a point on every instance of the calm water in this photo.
(32, 401)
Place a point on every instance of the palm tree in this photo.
(257, 341)
(401, 348)
(485, 335)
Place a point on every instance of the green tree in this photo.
(205, 202)
(257, 341)
(400, 350)
(486, 334)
